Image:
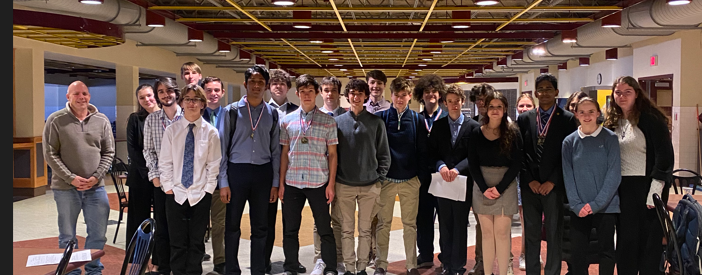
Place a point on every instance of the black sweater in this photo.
(138, 173)
(484, 152)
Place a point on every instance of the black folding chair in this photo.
(61, 269)
(140, 248)
(671, 252)
(119, 168)
(686, 178)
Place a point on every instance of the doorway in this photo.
(660, 90)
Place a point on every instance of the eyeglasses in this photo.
(192, 100)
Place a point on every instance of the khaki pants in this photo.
(347, 198)
(218, 213)
(409, 203)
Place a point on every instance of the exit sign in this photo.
(654, 60)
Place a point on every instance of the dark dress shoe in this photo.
(413, 271)
(301, 268)
(219, 268)
(268, 269)
(206, 257)
(379, 271)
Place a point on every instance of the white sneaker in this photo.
(318, 268)
(340, 268)
(522, 263)
(541, 261)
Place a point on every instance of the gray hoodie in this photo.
(77, 148)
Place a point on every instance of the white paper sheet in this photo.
(55, 258)
(455, 190)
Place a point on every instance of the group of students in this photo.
(200, 162)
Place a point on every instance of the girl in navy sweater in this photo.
(592, 187)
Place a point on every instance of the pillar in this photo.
(29, 166)
(127, 80)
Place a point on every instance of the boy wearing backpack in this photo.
(249, 168)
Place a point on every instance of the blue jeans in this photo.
(96, 210)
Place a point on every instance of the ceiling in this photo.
(394, 36)
(77, 69)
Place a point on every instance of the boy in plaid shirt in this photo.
(307, 172)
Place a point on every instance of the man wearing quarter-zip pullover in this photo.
(79, 147)
(407, 139)
(363, 145)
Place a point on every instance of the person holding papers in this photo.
(495, 159)
(449, 150)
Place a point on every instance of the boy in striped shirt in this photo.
(307, 172)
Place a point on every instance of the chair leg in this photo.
(119, 221)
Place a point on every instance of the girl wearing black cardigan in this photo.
(141, 191)
(646, 167)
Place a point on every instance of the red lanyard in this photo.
(543, 130)
(253, 127)
(304, 126)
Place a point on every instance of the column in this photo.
(29, 166)
(127, 80)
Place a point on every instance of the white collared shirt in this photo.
(206, 160)
(594, 134)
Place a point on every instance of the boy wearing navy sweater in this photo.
(407, 139)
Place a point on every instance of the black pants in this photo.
(139, 209)
(161, 255)
(639, 242)
(426, 215)
(551, 206)
(580, 229)
(270, 238)
(252, 183)
(453, 229)
(294, 201)
(187, 225)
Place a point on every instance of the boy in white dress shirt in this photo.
(189, 164)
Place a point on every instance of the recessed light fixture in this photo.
(435, 51)
(422, 65)
(223, 47)
(339, 65)
(301, 17)
(283, 2)
(92, 2)
(463, 14)
(414, 73)
(426, 59)
(612, 21)
(612, 54)
(411, 76)
(244, 55)
(328, 51)
(486, 2)
(333, 59)
(343, 70)
(446, 40)
(316, 41)
(417, 70)
(678, 2)
(569, 36)
(584, 61)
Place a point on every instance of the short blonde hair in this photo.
(192, 66)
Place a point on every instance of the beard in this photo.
(168, 103)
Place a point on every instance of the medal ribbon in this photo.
(435, 119)
(543, 130)
(304, 126)
(253, 127)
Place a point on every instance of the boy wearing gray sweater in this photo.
(364, 157)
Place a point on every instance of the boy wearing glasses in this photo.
(189, 165)
(363, 145)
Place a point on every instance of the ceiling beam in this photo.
(386, 20)
(388, 66)
(384, 27)
(376, 35)
(571, 9)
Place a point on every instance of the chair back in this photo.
(686, 178)
(139, 250)
(118, 168)
(61, 269)
(671, 253)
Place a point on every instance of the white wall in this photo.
(571, 80)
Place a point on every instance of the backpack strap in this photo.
(233, 115)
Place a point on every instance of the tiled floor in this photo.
(35, 225)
